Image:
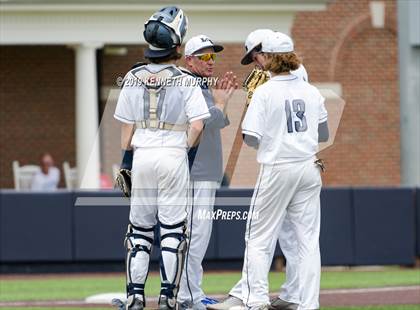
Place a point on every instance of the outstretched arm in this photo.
(221, 93)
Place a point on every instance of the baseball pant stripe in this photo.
(189, 244)
(249, 230)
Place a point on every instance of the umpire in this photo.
(206, 166)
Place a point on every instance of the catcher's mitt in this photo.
(256, 78)
(123, 181)
(321, 164)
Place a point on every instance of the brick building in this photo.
(338, 43)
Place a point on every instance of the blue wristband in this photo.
(127, 159)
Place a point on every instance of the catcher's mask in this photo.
(164, 31)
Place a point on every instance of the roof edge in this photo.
(318, 5)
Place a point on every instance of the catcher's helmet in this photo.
(164, 31)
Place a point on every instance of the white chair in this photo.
(23, 175)
(70, 176)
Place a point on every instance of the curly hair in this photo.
(282, 62)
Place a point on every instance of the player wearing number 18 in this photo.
(285, 120)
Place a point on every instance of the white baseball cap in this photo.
(200, 42)
(254, 39)
(277, 42)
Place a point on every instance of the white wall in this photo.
(69, 24)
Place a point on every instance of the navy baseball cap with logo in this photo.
(197, 43)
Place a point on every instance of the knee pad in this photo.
(138, 242)
(173, 248)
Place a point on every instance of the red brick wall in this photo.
(114, 66)
(340, 45)
(36, 106)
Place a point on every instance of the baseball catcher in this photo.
(161, 115)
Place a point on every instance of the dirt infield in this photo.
(409, 295)
(373, 296)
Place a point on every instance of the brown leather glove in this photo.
(256, 78)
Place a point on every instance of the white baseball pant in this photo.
(160, 190)
(289, 291)
(291, 189)
(199, 231)
(160, 187)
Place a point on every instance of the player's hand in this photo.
(224, 89)
(228, 81)
(123, 181)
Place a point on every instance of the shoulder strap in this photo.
(153, 83)
(186, 71)
(138, 64)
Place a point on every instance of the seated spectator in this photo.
(106, 182)
(48, 177)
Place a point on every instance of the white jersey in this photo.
(179, 103)
(284, 114)
(301, 73)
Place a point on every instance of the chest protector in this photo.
(155, 86)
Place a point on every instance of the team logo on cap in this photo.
(206, 40)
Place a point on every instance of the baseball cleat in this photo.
(136, 305)
(188, 305)
(280, 304)
(118, 303)
(209, 301)
(131, 304)
(262, 307)
(185, 305)
(229, 303)
(199, 306)
(166, 303)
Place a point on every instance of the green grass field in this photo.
(62, 288)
